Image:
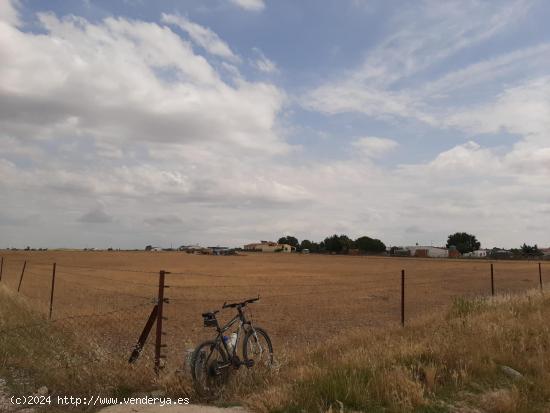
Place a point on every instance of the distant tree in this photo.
(306, 245)
(290, 240)
(463, 242)
(148, 248)
(309, 245)
(339, 244)
(332, 244)
(532, 251)
(368, 244)
(347, 243)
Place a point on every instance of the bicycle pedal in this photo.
(236, 362)
(248, 363)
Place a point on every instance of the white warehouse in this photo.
(424, 251)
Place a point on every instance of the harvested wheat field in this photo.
(303, 297)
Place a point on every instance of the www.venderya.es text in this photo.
(95, 401)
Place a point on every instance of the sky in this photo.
(125, 123)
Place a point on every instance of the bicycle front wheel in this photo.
(257, 346)
(209, 369)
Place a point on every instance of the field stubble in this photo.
(303, 297)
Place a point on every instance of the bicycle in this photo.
(213, 360)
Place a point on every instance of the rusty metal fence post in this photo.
(403, 298)
(53, 287)
(21, 278)
(1, 268)
(161, 301)
(492, 281)
(144, 334)
(540, 278)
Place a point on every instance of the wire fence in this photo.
(110, 306)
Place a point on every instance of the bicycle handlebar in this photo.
(241, 304)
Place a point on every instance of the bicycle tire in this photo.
(250, 336)
(214, 381)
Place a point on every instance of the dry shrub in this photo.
(428, 376)
(268, 399)
(501, 400)
(399, 391)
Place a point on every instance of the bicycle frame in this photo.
(239, 318)
(242, 321)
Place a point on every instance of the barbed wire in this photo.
(107, 269)
(29, 272)
(202, 274)
(72, 317)
(111, 292)
(125, 281)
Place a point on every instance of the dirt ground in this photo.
(303, 297)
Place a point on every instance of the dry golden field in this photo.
(303, 297)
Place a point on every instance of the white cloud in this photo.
(8, 12)
(125, 115)
(202, 36)
(251, 5)
(379, 87)
(145, 84)
(373, 147)
(232, 70)
(523, 109)
(263, 64)
(468, 186)
(462, 161)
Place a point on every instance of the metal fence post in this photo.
(540, 277)
(1, 268)
(53, 287)
(144, 334)
(160, 317)
(21, 278)
(403, 298)
(492, 281)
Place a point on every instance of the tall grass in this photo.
(65, 358)
(446, 362)
(449, 362)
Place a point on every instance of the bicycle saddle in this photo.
(210, 313)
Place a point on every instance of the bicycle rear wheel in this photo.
(209, 369)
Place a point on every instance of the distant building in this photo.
(190, 248)
(222, 250)
(400, 252)
(500, 253)
(428, 252)
(421, 251)
(454, 253)
(269, 246)
(477, 254)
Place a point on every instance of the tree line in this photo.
(342, 244)
(338, 244)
